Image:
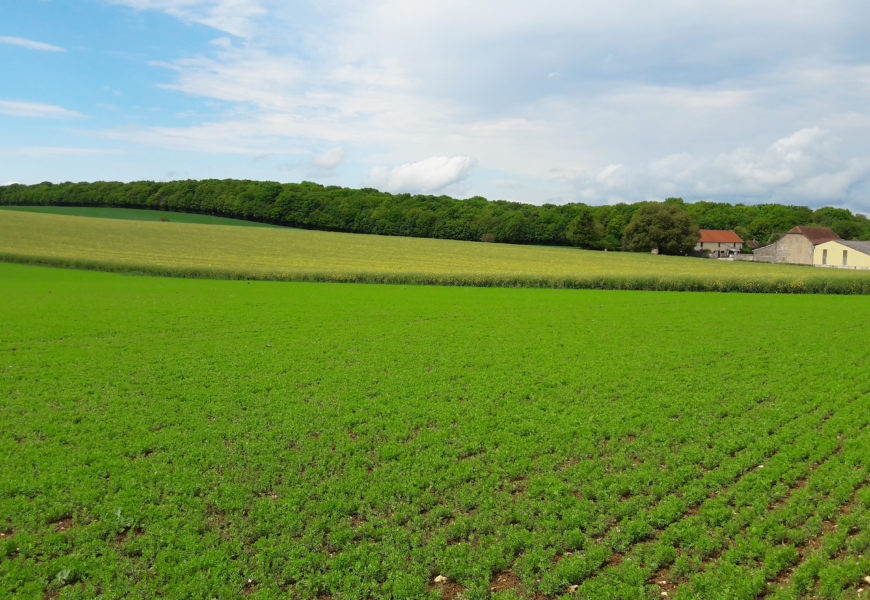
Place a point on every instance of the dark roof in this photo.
(859, 246)
(816, 235)
(719, 235)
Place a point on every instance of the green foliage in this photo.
(666, 227)
(216, 439)
(331, 208)
(583, 231)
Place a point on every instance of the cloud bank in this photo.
(802, 168)
(600, 101)
(426, 176)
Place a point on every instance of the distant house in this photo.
(795, 246)
(719, 243)
(842, 253)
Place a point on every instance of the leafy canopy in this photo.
(584, 231)
(666, 226)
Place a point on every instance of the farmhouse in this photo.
(842, 253)
(719, 243)
(795, 246)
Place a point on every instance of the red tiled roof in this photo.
(719, 235)
(816, 235)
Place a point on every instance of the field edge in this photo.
(816, 285)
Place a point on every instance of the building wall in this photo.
(791, 248)
(854, 258)
(717, 248)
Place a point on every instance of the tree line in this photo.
(366, 210)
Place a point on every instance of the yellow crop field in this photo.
(294, 254)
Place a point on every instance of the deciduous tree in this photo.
(664, 226)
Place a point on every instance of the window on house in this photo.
(845, 253)
(825, 256)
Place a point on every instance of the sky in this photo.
(594, 101)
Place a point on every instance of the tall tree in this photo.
(583, 231)
(664, 226)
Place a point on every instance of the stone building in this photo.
(719, 243)
(795, 246)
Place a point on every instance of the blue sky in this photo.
(595, 101)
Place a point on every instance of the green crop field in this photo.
(135, 214)
(191, 438)
(295, 254)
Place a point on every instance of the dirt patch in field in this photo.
(124, 535)
(662, 580)
(615, 560)
(217, 520)
(507, 580)
(518, 486)
(449, 589)
(55, 593)
(63, 524)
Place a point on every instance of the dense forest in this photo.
(313, 206)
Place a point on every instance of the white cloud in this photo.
(231, 16)
(426, 176)
(837, 184)
(329, 160)
(239, 76)
(30, 44)
(610, 177)
(604, 101)
(802, 167)
(35, 109)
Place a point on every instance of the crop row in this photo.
(666, 519)
(755, 506)
(209, 439)
(809, 285)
